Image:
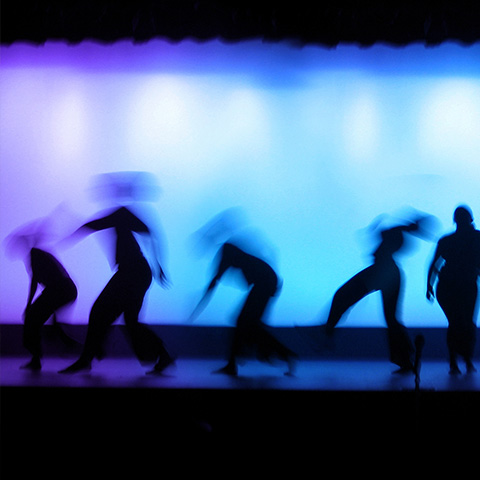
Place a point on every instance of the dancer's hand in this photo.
(161, 276)
(430, 293)
(164, 281)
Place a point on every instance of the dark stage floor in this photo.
(347, 406)
(197, 373)
(116, 414)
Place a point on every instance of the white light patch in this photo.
(362, 127)
(246, 122)
(68, 124)
(450, 120)
(160, 117)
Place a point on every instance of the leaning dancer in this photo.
(58, 291)
(250, 330)
(385, 276)
(123, 294)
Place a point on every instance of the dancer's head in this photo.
(463, 217)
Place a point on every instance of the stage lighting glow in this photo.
(451, 119)
(246, 121)
(312, 144)
(362, 128)
(69, 127)
(160, 116)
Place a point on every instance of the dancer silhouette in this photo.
(59, 291)
(123, 294)
(383, 275)
(250, 331)
(456, 264)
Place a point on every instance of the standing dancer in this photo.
(456, 264)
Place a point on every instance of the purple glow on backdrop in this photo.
(313, 144)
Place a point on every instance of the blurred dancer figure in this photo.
(125, 292)
(456, 264)
(59, 291)
(250, 331)
(385, 276)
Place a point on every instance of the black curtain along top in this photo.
(325, 23)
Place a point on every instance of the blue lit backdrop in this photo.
(312, 144)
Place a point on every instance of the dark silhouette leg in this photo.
(385, 277)
(458, 302)
(348, 295)
(147, 346)
(448, 305)
(400, 346)
(37, 315)
(250, 331)
(466, 326)
(105, 310)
